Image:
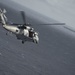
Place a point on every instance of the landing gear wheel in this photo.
(35, 41)
(22, 42)
(6, 34)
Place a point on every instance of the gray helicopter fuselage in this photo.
(24, 33)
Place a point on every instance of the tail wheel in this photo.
(6, 34)
(22, 42)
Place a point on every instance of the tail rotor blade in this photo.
(4, 11)
(0, 10)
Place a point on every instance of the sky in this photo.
(60, 10)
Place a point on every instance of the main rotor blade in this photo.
(28, 24)
(23, 16)
(20, 24)
(15, 24)
(53, 24)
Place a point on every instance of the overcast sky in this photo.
(60, 10)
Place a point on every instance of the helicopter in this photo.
(24, 31)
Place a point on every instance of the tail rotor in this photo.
(3, 18)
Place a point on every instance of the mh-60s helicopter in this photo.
(22, 31)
